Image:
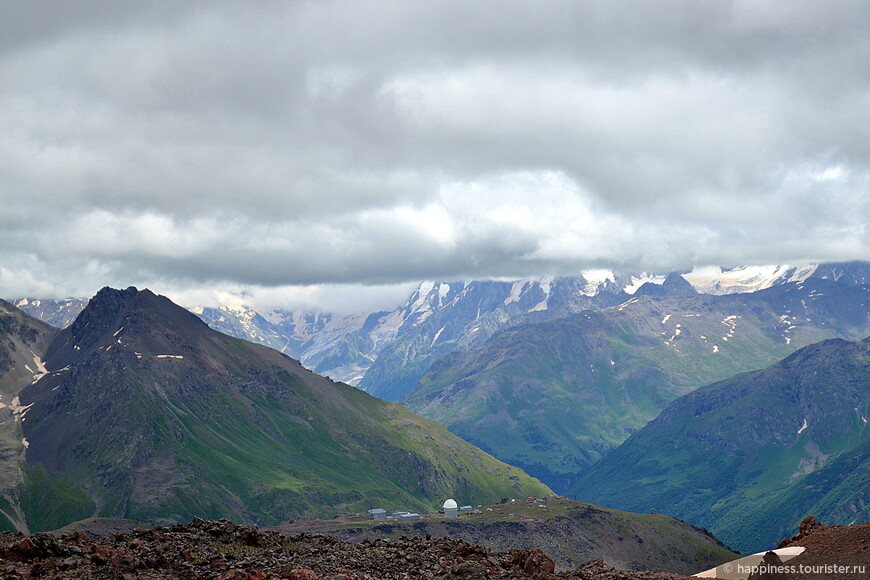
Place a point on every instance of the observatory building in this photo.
(450, 508)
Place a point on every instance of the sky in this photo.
(331, 154)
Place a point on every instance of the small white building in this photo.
(377, 513)
(450, 508)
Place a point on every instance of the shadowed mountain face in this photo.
(553, 397)
(750, 456)
(147, 413)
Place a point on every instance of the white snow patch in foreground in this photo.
(169, 356)
(748, 562)
(803, 427)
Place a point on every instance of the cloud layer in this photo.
(299, 145)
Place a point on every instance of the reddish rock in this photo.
(234, 574)
(533, 562)
(303, 574)
(101, 554)
(218, 564)
(124, 560)
(24, 549)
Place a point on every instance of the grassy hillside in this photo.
(751, 456)
(150, 415)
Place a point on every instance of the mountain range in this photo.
(750, 456)
(139, 410)
(550, 375)
(552, 397)
(386, 353)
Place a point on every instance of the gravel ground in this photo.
(225, 551)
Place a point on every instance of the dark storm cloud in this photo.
(299, 143)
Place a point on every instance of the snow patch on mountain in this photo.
(437, 336)
(595, 279)
(546, 285)
(18, 410)
(41, 371)
(517, 290)
(443, 291)
(717, 280)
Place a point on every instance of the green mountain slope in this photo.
(23, 342)
(552, 397)
(466, 316)
(750, 456)
(148, 414)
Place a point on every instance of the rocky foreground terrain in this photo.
(221, 550)
(832, 552)
(225, 551)
(568, 531)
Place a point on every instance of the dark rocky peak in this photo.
(674, 285)
(110, 311)
(105, 312)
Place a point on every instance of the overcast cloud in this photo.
(293, 150)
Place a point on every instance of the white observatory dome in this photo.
(450, 504)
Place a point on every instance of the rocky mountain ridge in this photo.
(554, 396)
(386, 353)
